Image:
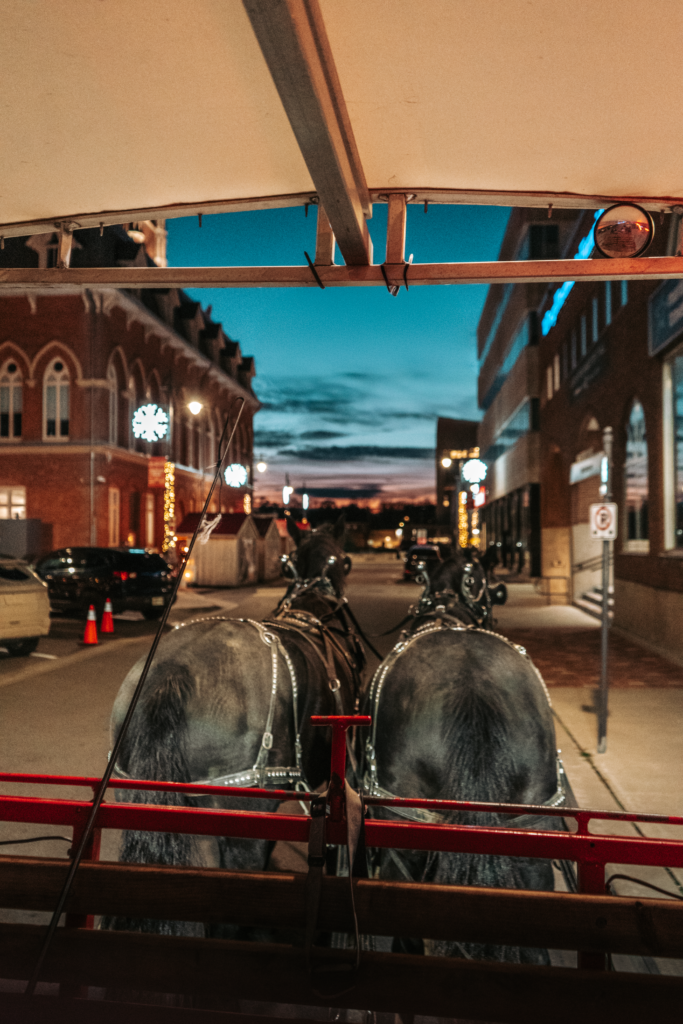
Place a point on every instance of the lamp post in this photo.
(607, 439)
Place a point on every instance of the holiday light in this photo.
(169, 507)
(150, 423)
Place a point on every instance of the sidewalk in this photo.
(564, 644)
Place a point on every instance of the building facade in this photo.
(98, 437)
(611, 355)
(509, 389)
(559, 364)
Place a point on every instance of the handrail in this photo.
(580, 814)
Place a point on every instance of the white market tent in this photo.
(123, 110)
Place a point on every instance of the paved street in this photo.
(54, 713)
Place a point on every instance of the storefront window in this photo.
(636, 476)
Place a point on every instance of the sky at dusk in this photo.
(351, 379)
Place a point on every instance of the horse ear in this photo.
(339, 528)
(293, 530)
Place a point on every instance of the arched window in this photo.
(113, 405)
(636, 476)
(11, 400)
(56, 401)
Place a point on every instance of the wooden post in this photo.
(396, 228)
(324, 240)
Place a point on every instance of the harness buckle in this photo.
(270, 639)
(334, 684)
(267, 741)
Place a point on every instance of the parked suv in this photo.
(79, 577)
(24, 607)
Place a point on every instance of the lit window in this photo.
(636, 476)
(11, 400)
(556, 372)
(12, 503)
(608, 302)
(56, 401)
(595, 319)
(549, 382)
(624, 292)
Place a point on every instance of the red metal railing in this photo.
(590, 850)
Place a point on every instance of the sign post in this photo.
(603, 524)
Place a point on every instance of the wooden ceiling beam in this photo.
(293, 40)
(518, 272)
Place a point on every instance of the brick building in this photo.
(558, 364)
(76, 365)
(611, 354)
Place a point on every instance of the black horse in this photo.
(460, 713)
(213, 710)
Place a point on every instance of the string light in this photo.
(463, 531)
(247, 504)
(169, 507)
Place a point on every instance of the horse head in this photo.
(462, 580)
(319, 563)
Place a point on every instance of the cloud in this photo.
(319, 435)
(354, 453)
(271, 438)
(341, 492)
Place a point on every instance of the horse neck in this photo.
(313, 603)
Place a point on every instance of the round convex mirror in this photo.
(624, 230)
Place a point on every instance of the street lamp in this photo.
(195, 407)
(446, 462)
(262, 466)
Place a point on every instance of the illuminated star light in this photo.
(150, 423)
(236, 475)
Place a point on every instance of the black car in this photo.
(427, 553)
(133, 579)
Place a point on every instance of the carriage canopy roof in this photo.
(113, 106)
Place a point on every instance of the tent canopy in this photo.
(168, 107)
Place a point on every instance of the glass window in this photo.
(624, 292)
(584, 338)
(636, 475)
(113, 405)
(596, 323)
(12, 503)
(677, 382)
(11, 400)
(56, 401)
(608, 302)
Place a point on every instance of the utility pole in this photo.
(607, 438)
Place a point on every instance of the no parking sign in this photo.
(603, 520)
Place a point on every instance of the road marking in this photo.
(37, 654)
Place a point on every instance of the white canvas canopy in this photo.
(117, 110)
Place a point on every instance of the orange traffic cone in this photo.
(90, 635)
(107, 624)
